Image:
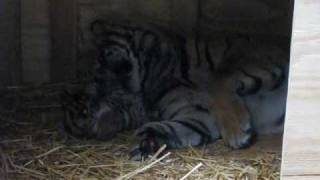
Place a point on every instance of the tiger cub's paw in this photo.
(144, 149)
(147, 147)
(149, 142)
(76, 118)
(237, 137)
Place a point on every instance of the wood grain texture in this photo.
(301, 150)
(35, 41)
(10, 62)
(64, 21)
(250, 16)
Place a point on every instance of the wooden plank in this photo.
(35, 41)
(185, 16)
(250, 16)
(10, 64)
(299, 178)
(63, 17)
(301, 153)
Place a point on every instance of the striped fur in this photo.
(158, 83)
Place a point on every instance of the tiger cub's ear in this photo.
(98, 27)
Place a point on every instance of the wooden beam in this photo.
(63, 16)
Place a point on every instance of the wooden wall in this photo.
(10, 67)
(35, 41)
(55, 46)
(64, 21)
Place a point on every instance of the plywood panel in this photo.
(63, 17)
(35, 41)
(253, 16)
(10, 63)
(301, 153)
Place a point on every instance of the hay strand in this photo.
(130, 175)
(160, 150)
(192, 170)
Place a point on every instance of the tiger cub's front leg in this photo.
(184, 121)
(173, 134)
(230, 112)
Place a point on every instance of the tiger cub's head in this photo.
(101, 116)
(117, 112)
(113, 97)
(118, 60)
(74, 106)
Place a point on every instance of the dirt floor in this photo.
(33, 148)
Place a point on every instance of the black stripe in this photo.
(196, 108)
(111, 43)
(126, 123)
(280, 121)
(200, 123)
(183, 59)
(147, 64)
(202, 131)
(174, 133)
(123, 120)
(132, 29)
(148, 58)
(166, 86)
(197, 51)
(279, 81)
(165, 91)
(147, 54)
(179, 110)
(200, 108)
(228, 47)
(156, 63)
(154, 131)
(125, 36)
(208, 57)
(163, 65)
(255, 89)
(164, 109)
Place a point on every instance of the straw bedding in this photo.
(32, 147)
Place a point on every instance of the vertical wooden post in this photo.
(10, 60)
(63, 16)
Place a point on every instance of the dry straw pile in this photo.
(31, 147)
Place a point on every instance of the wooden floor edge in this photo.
(299, 175)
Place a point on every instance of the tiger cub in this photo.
(248, 91)
(177, 91)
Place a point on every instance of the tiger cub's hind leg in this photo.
(228, 106)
